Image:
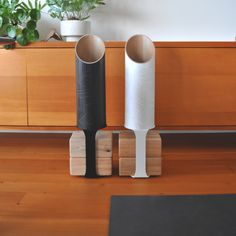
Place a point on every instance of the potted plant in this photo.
(73, 15)
(18, 20)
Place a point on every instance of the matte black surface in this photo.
(212, 215)
(90, 137)
(91, 106)
(91, 100)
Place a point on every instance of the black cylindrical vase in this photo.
(90, 91)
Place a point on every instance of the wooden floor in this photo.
(39, 198)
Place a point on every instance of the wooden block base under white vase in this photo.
(127, 153)
(103, 152)
(127, 166)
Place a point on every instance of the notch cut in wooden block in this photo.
(127, 144)
(127, 166)
(104, 166)
(103, 144)
(103, 152)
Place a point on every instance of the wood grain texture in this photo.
(127, 166)
(13, 101)
(78, 166)
(103, 153)
(103, 144)
(115, 86)
(121, 44)
(127, 144)
(39, 197)
(194, 88)
(195, 84)
(51, 87)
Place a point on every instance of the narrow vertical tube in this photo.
(90, 145)
(140, 95)
(140, 163)
(90, 91)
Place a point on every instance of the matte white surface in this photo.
(141, 160)
(163, 20)
(139, 93)
(72, 30)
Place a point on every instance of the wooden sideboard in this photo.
(195, 86)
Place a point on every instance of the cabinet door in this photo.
(51, 87)
(13, 104)
(196, 87)
(115, 86)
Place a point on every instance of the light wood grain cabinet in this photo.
(51, 87)
(195, 85)
(115, 86)
(13, 94)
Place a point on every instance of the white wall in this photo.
(163, 20)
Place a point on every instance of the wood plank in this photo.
(51, 87)
(127, 144)
(103, 144)
(121, 44)
(195, 94)
(13, 103)
(115, 86)
(38, 197)
(61, 227)
(103, 153)
(198, 90)
(127, 166)
(78, 166)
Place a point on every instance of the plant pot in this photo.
(73, 30)
(140, 94)
(90, 91)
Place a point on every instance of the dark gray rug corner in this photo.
(200, 215)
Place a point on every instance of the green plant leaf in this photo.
(18, 31)
(72, 9)
(32, 35)
(32, 25)
(35, 14)
(24, 6)
(21, 39)
(21, 15)
(30, 4)
(11, 31)
(1, 21)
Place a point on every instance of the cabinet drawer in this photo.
(51, 87)
(13, 101)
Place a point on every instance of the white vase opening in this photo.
(140, 48)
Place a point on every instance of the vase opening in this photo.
(140, 48)
(90, 49)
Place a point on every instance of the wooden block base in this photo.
(103, 144)
(103, 152)
(77, 166)
(127, 166)
(127, 144)
(127, 153)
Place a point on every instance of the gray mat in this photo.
(211, 215)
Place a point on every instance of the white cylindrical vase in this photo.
(73, 30)
(140, 95)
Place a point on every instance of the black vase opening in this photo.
(90, 94)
